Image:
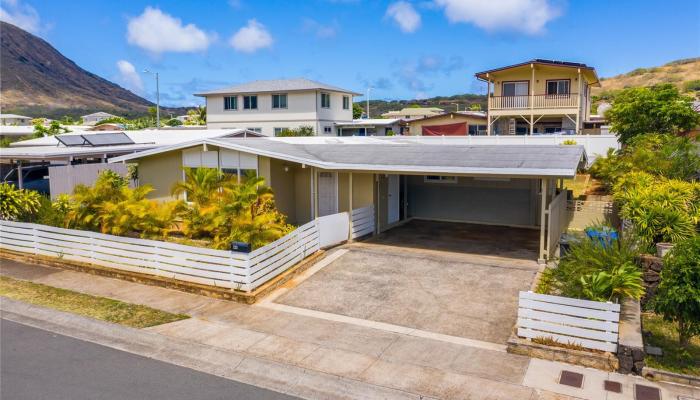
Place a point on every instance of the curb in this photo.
(279, 377)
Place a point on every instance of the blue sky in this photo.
(404, 49)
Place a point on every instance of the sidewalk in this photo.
(400, 363)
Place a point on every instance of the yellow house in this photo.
(539, 97)
(459, 123)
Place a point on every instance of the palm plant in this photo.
(200, 185)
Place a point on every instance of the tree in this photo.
(357, 111)
(173, 122)
(197, 116)
(678, 295)
(656, 109)
(475, 107)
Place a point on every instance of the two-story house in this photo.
(539, 97)
(270, 106)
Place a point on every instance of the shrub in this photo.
(660, 209)
(692, 86)
(664, 155)
(569, 142)
(678, 295)
(16, 204)
(591, 270)
(300, 131)
(173, 122)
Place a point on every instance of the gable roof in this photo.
(541, 61)
(358, 154)
(99, 114)
(277, 85)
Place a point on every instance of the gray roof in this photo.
(277, 85)
(384, 156)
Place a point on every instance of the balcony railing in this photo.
(538, 101)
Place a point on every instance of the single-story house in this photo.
(92, 119)
(15, 120)
(370, 127)
(409, 113)
(460, 123)
(507, 185)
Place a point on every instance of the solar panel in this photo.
(71, 140)
(108, 139)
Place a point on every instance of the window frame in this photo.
(277, 131)
(558, 81)
(249, 97)
(330, 129)
(235, 103)
(346, 102)
(503, 88)
(256, 129)
(279, 97)
(328, 96)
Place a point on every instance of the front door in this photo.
(327, 193)
(393, 199)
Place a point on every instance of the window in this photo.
(515, 88)
(279, 101)
(230, 102)
(346, 102)
(440, 179)
(258, 130)
(558, 87)
(278, 131)
(250, 102)
(325, 100)
(327, 130)
(475, 130)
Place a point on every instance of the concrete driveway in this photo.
(470, 291)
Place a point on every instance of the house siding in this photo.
(161, 171)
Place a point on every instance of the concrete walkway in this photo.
(401, 364)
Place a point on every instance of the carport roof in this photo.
(402, 157)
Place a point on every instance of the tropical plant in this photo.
(112, 120)
(17, 203)
(84, 205)
(657, 109)
(197, 116)
(678, 295)
(664, 155)
(569, 142)
(173, 122)
(200, 185)
(54, 128)
(660, 209)
(597, 271)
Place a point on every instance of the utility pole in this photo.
(157, 97)
(368, 90)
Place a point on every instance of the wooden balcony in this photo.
(537, 102)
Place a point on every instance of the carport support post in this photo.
(350, 206)
(543, 221)
(20, 179)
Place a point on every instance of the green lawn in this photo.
(102, 308)
(665, 336)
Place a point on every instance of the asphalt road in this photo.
(37, 364)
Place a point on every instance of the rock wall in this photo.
(651, 268)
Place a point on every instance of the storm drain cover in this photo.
(642, 392)
(612, 386)
(570, 378)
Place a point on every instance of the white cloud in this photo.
(129, 77)
(21, 15)
(159, 32)
(528, 16)
(321, 31)
(404, 15)
(251, 38)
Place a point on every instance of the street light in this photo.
(146, 71)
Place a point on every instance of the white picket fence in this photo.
(220, 268)
(591, 324)
(362, 221)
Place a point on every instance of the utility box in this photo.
(240, 247)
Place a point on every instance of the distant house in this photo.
(370, 127)
(92, 119)
(15, 120)
(271, 106)
(539, 97)
(459, 123)
(410, 113)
